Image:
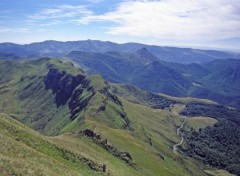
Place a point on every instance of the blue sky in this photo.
(214, 23)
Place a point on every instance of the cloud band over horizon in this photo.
(185, 22)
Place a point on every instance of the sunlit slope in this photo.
(26, 152)
(151, 141)
(129, 131)
(54, 97)
(24, 149)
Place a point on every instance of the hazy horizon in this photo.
(177, 46)
(193, 24)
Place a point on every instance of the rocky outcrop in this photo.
(62, 84)
(68, 89)
(78, 102)
(110, 96)
(67, 154)
(124, 156)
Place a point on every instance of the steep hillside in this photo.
(26, 152)
(216, 80)
(9, 56)
(148, 67)
(223, 73)
(51, 96)
(114, 66)
(96, 126)
(140, 69)
(211, 133)
(218, 144)
(157, 77)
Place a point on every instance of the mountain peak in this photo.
(145, 55)
(143, 52)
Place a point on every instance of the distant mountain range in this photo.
(174, 71)
(217, 80)
(170, 54)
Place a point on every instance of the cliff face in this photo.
(54, 97)
(68, 90)
(62, 84)
(77, 92)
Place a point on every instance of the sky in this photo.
(188, 23)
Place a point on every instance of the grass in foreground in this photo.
(26, 152)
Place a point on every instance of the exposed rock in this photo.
(92, 165)
(115, 99)
(102, 108)
(149, 141)
(90, 133)
(77, 104)
(52, 79)
(62, 84)
(125, 156)
(160, 156)
(104, 168)
(110, 96)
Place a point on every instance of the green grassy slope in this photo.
(52, 97)
(57, 99)
(26, 152)
(206, 129)
(216, 80)
(199, 122)
(25, 96)
(150, 144)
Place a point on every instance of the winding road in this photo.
(175, 147)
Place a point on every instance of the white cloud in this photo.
(52, 23)
(60, 12)
(173, 19)
(95, 1)
(14, 30)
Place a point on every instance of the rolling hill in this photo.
(93, 127)
(26, 152)
(216, 80)
(53, 97)
(141, 70)
(170, 54)
(56, 98)
(211, 74)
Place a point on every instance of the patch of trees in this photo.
(218, 146)
(212, 110)
(158, 102)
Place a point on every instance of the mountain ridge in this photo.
(96, 124)
(86, 110)
(137, 65)
(171, 54)
(196, 80)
